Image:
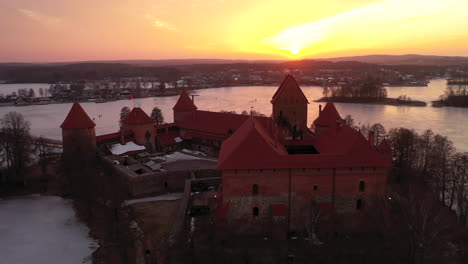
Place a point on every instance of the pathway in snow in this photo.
(42, 229)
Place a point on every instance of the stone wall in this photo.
(337, 189)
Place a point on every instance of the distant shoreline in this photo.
(371, 100)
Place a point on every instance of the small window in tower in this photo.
(359, 204)
(255, 189)
(362, 186)
(315, 187)
(255, 211)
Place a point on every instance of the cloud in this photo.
(365, 21)
(39, 17)
(158, 23)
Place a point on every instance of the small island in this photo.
(368, 91)
(456, 93)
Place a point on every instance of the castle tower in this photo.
(142, 127)
(184, 108)
(290, 105)
(328, 118)
(78, 133)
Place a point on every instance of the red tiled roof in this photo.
(252, 147)
(289, 91)
(77, 118)
(137, 117)
(328, 116)
(278, 209)
(202, 135)
(216, 122)
(115, 135)
(166, 125)
(184, 103)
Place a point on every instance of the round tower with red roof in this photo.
(78, 133)
(184, 108)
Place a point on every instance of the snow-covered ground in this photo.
(165, 197)
(42, 229)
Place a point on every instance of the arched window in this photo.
(255, 211)
(255, 189)
(358, 204)
(362, 186)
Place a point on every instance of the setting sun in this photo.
(294, 50)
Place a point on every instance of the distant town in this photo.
(103, 82)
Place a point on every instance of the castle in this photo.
(275, 170)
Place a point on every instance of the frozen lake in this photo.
(42, 229)
(448, 121)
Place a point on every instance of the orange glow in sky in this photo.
(76, 30)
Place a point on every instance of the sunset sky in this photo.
(76, 30)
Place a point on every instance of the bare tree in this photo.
(123, 114)
(379, 131)
(349, 120)
(157, 116)
(16, 143)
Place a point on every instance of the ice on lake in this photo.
(42, 229)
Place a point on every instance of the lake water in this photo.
(448, 121)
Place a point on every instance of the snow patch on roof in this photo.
(119, 149)
(165, 197)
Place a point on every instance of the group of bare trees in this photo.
(370, 88)
(433, 160)
(19, 150)
(16, 147)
